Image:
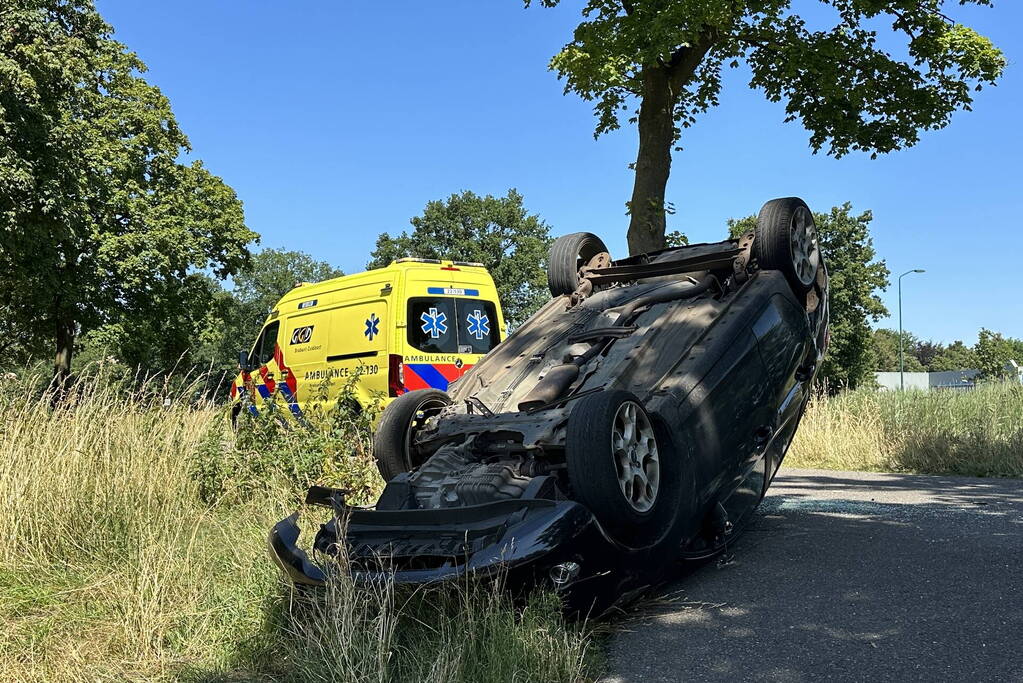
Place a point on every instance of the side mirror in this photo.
(243, 360)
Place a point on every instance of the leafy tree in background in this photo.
(955, 356)
(659, 62)
(927, 351)
(169, 335)
(271, 274)
(200, 324)
(993, 351)
(97, 216)
(885, 344)
(856, 278)
(494, 231)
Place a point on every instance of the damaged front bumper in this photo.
(529, 541)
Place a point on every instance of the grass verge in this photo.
(132, 546)
(975, 433)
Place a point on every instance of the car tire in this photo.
(393, 436)
(602, 458)
(566, 256)
(786, 241)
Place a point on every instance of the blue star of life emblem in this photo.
(479, 324)
(372, 326)
(434, 323)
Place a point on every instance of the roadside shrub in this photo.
(330, 444)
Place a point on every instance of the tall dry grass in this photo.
(975, 433)
(117, 563)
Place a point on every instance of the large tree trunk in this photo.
(662, 85)
(65, 337)
(653, 162)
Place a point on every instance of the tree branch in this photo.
(684, 60)
(765, 46)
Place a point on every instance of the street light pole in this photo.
(902, 379)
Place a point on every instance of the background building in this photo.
(951, 379)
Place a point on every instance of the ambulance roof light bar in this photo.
(413, 259)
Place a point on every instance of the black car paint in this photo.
(728, 408)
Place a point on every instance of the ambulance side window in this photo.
(432, 324)
(263, 351)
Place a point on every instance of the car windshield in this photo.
(452, 325)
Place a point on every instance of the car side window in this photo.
(263, 351)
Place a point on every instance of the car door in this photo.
(783, 337)
(729, 407)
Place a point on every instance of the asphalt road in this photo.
(848, 576)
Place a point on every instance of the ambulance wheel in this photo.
(392, 443)
(567, 255)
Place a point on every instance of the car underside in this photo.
(636, 418)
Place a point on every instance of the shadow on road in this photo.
(849, 577)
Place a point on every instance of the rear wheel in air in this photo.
(567, 255)
(786, 240)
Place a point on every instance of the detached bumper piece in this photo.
(283, 539)
(292, 560)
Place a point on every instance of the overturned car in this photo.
(637, 418)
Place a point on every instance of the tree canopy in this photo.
(861, 75)
(955, 356)
(495, 231)
(271, 274)
(993, 351)
(885, 348)
(856, 278)
(989, 354)
(99, 220)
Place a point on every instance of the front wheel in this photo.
(392, 442)
(618, 467)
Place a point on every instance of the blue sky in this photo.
(337, 121)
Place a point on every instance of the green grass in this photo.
(975, 433)
(132, 542)
(132, 546)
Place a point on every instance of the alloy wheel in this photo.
(636, 457)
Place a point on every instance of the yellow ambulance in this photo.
(416, 324)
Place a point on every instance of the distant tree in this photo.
(885, 351)
(675, 239)
(993, 351)
(200, 324)
(927, 351)
(955, 356)
(856, 279)
(494, 231)
(659, 63)
(271, 274)
(97, 214)
(169, 335)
